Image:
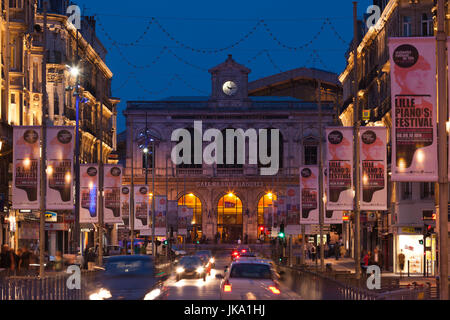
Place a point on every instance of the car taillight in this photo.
(227, 287)
(244, 251)
(274, 290)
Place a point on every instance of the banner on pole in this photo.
(309, 195)
(60, 145)
(89, 193)
(160, 215)
(339, 168)
(333, 217)
(125, 205)
(414, 114)
(142, 205)
(26, 157)
(373, 187)
(292, 226)
(182, 220)
(111, 188)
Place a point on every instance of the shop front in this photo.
(409, 242)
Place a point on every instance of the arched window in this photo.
(192, 201)
(229, 210)
(264, 202)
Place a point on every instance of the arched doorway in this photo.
(264, 202)
(229, 218)
(192, 201)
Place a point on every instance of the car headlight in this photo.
(180, 270)
(152, 295)
(211, 260)
(101, 294)
(200, 269)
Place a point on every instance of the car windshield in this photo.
(251, 270)
(129, 267)
(188, 261)
(206, 253)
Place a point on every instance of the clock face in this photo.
(229, 88)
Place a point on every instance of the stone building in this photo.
(230, 198)
(411, 205)
(21, 99)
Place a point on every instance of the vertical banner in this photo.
(414, 114)
(339, 168)
(160, 215)
(26, 155)
(281, 210)
(88, 192)
(141, 208)
(172, 215)
(60, 141)
(125, 204)
(373, 168)
(331, 217)
(309, 195)
(182, 220)
(111, 188)
(292, 226)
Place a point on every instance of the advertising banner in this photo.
(89, 192)
(333, 217)
(26, 170)
(292, 226)
(112, 190)
(125, 201)
(281, 212)
(60, 142)
(309, 195)
(182, 220)
(160, 215)
(414, 116)
(172, 215)
(373, 170)
(142, 205)
(339, 168)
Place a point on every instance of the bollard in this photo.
(408, 268)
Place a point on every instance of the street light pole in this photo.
(153, 199)
(43, 150)
(441, 38)
(321, 193)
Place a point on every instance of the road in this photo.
(197, 289)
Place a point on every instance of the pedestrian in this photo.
(25, 259)
(401, 262)
(376, 256)
(336, 251)
(326, 248)
(367, 258)
(58, 266)
(6, 258)
(342, 250)
(313, 253)
(91, 258)
(239, 240)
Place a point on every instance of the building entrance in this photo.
(229, 218)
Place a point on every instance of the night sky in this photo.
(149, 65)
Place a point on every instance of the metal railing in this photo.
(51, 287)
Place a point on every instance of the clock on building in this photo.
(229, 88)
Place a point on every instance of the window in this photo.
(426, 190)
(15, 4)
(192, 201)
(428, 215)
(406, 190)
(407, 26)
(427, 25)
(56, 103)
(310, 155)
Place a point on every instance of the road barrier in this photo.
(51, 287)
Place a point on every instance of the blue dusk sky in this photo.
(158, 49)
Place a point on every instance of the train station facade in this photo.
(229, 199)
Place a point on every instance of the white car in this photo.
(250, 279)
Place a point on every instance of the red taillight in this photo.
(235, 253)
(244, 251)
(227, 287)
(274, 290)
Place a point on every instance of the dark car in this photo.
(133, 277)
(237, 252)
(209, 255)
(191, 267)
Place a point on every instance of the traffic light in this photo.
(281, 232)
(165, 242)
(261, 228)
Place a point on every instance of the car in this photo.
(206, 263)
(190, 267)
(177, 251)
(249, 279)
(129, 277)
(209, 256)
(238, 251)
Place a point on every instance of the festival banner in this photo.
(142, 207)
(26, 170)
(160, 215)
(89, 193)
(172, 215)
(292, 226)
(60, 142)
(373, 170)
(281, 210)
(333, 217)
(112, 190)
(125, 205)
(182, 220)
(339, 168)
(414, 114)
(309, 195)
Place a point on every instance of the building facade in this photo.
(22, 52)
(412, 205)
(228, 199)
